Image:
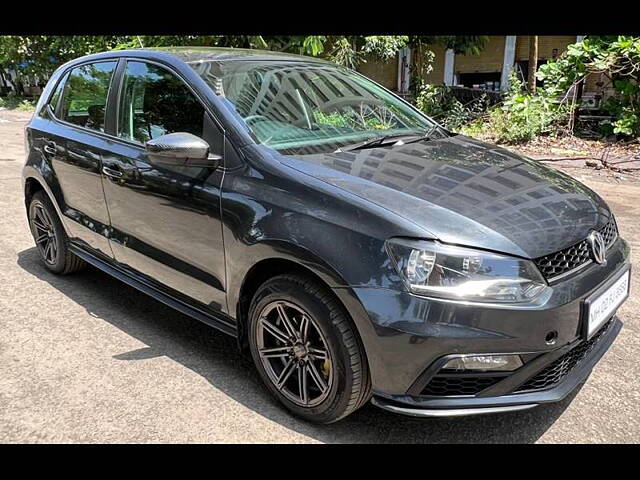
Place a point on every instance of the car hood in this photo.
(467, 192)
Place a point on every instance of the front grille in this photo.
(563, 261)
(609, 232)
(460, 384)
(554, 373)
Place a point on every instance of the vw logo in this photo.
(598, 248)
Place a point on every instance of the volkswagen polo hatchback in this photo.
(355, 248)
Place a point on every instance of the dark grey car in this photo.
(355, 248)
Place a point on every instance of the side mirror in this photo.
(181, 149)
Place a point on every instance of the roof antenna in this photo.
(140, 41)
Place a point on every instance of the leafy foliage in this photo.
(618, 58)
(469, 44)
(15, 103)
(345, 53)
(314, 44)
(384, 47)
(441, 104)
(348, 120)
(521, 117)
(524, 116)
(42, 54)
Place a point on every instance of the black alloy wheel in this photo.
(307, 349)
(50, 238)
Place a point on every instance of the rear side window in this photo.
(84, 98)
(55, 98)
(155, 102)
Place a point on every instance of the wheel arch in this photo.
(267, 268)
(33, 181)
(31, 186)
(255, 276)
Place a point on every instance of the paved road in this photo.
(85, 358)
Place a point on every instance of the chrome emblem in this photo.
(598, 247)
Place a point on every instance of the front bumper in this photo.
(409, 338)
(491, 401)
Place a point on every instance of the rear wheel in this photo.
(306, 349)
(51, 240)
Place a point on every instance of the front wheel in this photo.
(306, 349)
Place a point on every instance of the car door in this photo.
(165, 220)
(76, 152)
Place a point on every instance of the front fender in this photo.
(279, 250)
(275, 213)
(269, 250)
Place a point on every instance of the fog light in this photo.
(485, 362)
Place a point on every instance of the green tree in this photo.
(42, 54)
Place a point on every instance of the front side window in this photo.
(85, 93)
(154, 102)
(300, 107)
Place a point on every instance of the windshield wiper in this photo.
(426, 136)
(378, 141)
(374, 142)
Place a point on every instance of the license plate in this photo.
(602, 307)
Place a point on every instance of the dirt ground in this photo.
(86, 358)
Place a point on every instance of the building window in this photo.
(484, 81)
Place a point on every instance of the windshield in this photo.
(297, 107)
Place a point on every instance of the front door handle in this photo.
(110, 172)
(50, 148)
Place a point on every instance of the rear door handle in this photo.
(50, 148)
(110, 172)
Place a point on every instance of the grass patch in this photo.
(20, 104)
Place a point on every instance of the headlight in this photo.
(433, 269)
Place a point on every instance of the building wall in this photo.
(385, 73)
(436, 76)
(489, 60)
(598, 84)
(546, 44)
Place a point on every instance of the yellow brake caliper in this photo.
(326, 368)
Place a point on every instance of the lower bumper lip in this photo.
(447, 412)
(474, 405)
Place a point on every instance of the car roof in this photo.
(197, 54)
(200, 54)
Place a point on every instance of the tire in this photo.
(54, 249)
(342, 366)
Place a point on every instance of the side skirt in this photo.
(224, 325)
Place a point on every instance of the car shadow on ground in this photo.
(215, 357)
